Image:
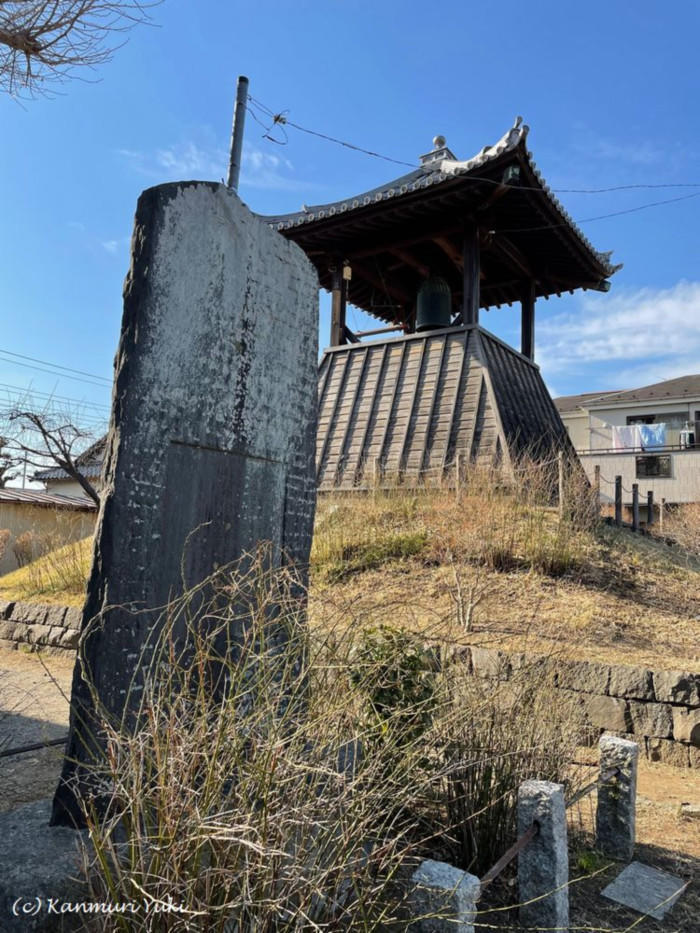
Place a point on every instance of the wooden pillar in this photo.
(471, 273)
(527, 332)
(338, 302)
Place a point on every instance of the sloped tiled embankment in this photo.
(658, 709)
(53, 629)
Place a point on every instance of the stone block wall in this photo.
(660, 710)
(36, 627)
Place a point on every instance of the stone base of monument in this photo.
(40, 869)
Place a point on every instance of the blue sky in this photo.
(609, 89)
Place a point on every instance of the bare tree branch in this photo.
(42, 42)
(46, 438)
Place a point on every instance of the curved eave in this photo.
(449, 189)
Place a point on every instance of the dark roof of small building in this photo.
(89, 462)
(46, 499)
(670, 390)
(392, 234)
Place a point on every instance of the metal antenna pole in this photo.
(234, 165)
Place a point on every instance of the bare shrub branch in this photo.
(43, 42)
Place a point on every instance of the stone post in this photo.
(615, 815)
(543, 865)
(443, 899)
(211, 442)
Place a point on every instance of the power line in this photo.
(67, 369)
(587, 220)
(21, 391)
(280, 120)
(53, 372)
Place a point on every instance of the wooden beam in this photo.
(338, 301)
(411, 261)
(453, 252)
(381, 283)
(527, 332)
(510, 252)
(470, 273)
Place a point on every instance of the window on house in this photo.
(653, 466)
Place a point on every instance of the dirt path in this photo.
(32, 710)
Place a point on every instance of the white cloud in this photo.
(189, 159)
(651, 334)
(111, 246)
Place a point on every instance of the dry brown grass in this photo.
(500, 565)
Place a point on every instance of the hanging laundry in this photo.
(626, 437)
(652, 435)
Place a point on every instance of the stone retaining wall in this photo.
(658, 709)
(53, 629)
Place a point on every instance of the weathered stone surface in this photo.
(6, 609)
(633, 682)
(610, 713)
(543, 865)
(646, 890)
(668, 751)
(443, 899)
(38, 634)
(17, 631)
(488, 662)
(68, 638)
(686, 725)
(588, 676)
(8, 629)
(694, 756)
(212, 443)
(72, 617)
(615, 814)
(32, 614)
(677, 687)
(651, 719)
(37, 863)
(56, 615)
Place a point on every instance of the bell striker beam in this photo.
(471, 274)
(527, 331)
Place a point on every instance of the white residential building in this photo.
(649, 436)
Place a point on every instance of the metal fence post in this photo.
(615, 814)
(560, 471)
(635, 506)
(543, 865)
(618, 501)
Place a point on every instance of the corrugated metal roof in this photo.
(407, 406)
(47, 499)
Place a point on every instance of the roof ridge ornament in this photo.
(438, 153)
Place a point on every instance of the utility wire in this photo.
(52, 372)
(20, 392)
(280, 120)
(68, 369)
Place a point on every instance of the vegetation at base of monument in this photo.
(43, 42)
(295, 778)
